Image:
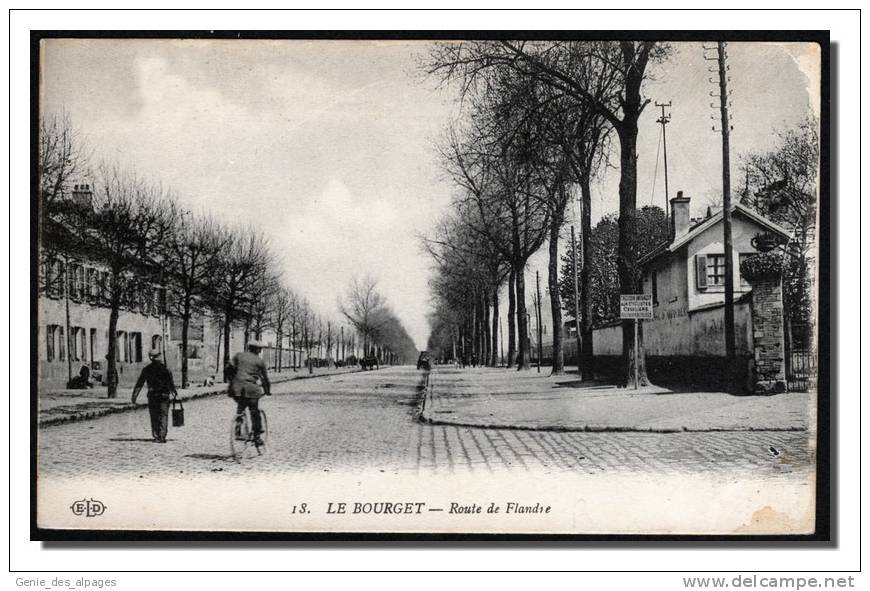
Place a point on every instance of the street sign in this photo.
(636, 306)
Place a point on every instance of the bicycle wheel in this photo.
(264, 436)
(240, 435)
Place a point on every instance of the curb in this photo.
(96, 414)
(426, 417)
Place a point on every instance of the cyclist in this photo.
(246, 370)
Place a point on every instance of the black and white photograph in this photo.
(397, 284)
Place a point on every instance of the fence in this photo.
(801, 370)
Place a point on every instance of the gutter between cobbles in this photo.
(85, 415)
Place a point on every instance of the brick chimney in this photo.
(680, 220)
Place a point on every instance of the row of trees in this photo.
(540, 117)
(540, 121)
(140, 234)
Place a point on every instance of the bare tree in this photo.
(491, 164)
(192, 252)
(127, 228)
(609, 82)
(364, 307)
(63, 160)
(236, 283)
(282, 311)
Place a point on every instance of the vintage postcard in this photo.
(534, 286)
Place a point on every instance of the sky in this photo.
(328, 146)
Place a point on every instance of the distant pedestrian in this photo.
(160, 387)
(81, 381)
(249, 383)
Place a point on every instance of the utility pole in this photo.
(540, 328)
(664, 120)
(576, 301)
(726, 204)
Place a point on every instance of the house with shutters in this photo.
(686, 277)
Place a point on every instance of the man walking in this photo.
(249, 383)
(160, 386)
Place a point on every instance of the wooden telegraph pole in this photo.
(664, 120)
(726, 206)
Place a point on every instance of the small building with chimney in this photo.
(686, 278)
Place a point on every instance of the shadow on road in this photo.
(132, 439)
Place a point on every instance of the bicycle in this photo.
(242, 440)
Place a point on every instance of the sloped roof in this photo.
(708, 223)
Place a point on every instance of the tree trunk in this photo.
(494, 340)
(112, 353)
(523, 360)
(587, 358)
(294, 355)
(555, 300)
(185, 327)
(228, 327)
(511, 319)
(626, 259)
(279, 337)
(217, 360)
(487, 332)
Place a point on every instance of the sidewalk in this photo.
(507, 399)
(64, 406)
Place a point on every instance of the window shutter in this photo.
(701, 270)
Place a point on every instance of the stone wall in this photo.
(767, 332)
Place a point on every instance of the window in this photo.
(654, 282)
(78, 345)
(104, 285)
(92, 278)
(55, 279)
(93, 344)
(715, 269)
(54, 342)
(122, 352)
(76, 281)
(71, 283)
(709, 270)
(136, 347)
(157, 342)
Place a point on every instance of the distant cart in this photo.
(370, 362)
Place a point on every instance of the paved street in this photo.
(364, 421)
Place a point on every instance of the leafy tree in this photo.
(782, 184)
(603, 276)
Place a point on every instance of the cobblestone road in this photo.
(365, 421)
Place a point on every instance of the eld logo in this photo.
(88, 508)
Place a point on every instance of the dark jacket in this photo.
(158, 378)
(249, 373)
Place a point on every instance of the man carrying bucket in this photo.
(160, 386)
